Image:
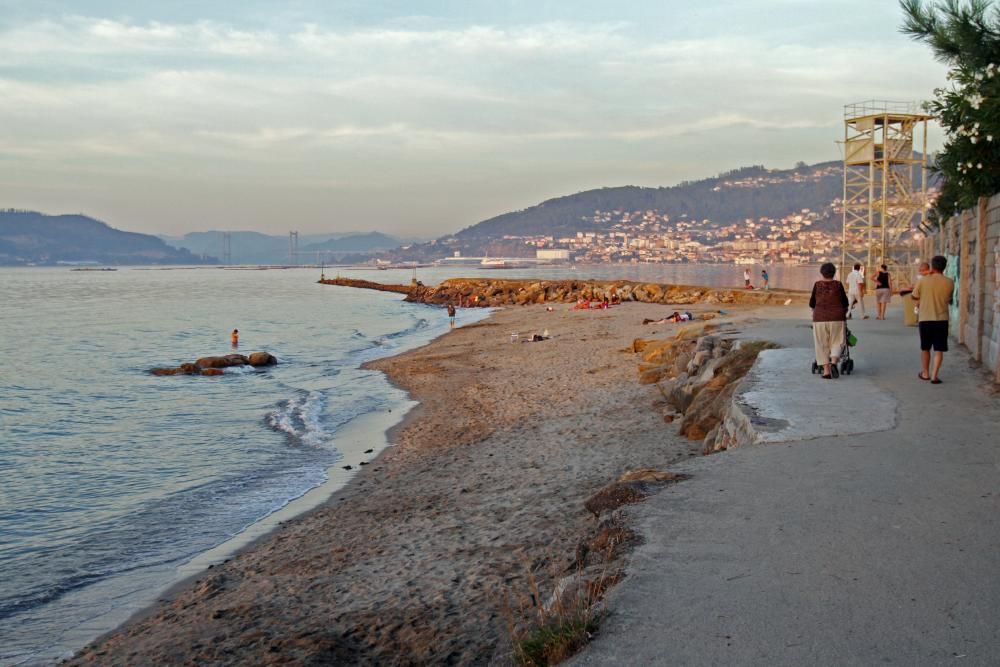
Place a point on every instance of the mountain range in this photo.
(258, 248)
(745, 193)
(32, 238)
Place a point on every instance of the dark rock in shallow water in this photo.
(167, 371)
(222, 362)
(348, 467)
(205, 364)
(261, 359)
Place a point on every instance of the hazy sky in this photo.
(418, 118)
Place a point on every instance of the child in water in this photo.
(235, 337)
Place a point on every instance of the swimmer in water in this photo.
(235, 337)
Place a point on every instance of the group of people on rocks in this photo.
(832, 306)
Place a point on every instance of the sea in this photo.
(116, 484)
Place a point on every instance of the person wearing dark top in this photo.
(829, 305)
(883, 291)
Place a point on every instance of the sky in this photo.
(419, 118)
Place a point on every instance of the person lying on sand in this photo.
(672, 317)
(582, 304)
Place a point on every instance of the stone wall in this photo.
(971, 242)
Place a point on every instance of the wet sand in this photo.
(412, 562)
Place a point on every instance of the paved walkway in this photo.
(873, 548)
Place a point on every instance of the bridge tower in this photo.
(293, 248)
(885, 185)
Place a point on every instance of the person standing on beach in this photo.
(829, 305)
(235, 338)
(764, 277)
(451, 315)
(746, 278)
(883, 291)
(856, 291)
(933, 294)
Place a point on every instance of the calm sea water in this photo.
(110, 478)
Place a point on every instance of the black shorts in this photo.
(934, 334)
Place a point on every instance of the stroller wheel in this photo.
(850, 366)
(815, 368)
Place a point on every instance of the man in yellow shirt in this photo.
(933, 296)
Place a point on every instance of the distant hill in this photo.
(748, 192)
(355, 243)
(29, 237)
(258, 248)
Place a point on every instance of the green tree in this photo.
(965, 35)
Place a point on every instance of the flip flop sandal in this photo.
(921, 376)
(935, 381)
(826, 377)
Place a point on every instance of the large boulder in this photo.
(224, 361)
(261, 359)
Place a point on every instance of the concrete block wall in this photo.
(971, 240)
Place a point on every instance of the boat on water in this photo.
(494, 263)
(91, 268)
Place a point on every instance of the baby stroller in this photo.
(846, 363)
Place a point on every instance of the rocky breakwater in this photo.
(214, 365)
(698, 372)
(366, 284)
(493, 292)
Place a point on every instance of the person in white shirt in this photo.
(856, 291)
(746, 278)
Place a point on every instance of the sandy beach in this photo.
(422, 558)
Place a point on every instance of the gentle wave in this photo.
(300, 419)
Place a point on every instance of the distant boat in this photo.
(88, 268)
(494, 263)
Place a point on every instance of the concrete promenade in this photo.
(879, 547)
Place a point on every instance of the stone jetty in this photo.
(487, 292)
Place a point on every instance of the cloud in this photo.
(79, 35)
(425, 101)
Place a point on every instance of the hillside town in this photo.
(653, 236)
(802, 236)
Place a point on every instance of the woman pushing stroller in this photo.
(829, 305)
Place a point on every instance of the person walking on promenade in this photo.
(829, 305)
(933, 294)
(746, 278)
(451, 315)
(883, 291)
(765, 278)
(856, 291)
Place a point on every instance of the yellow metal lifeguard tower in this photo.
(882, 199)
